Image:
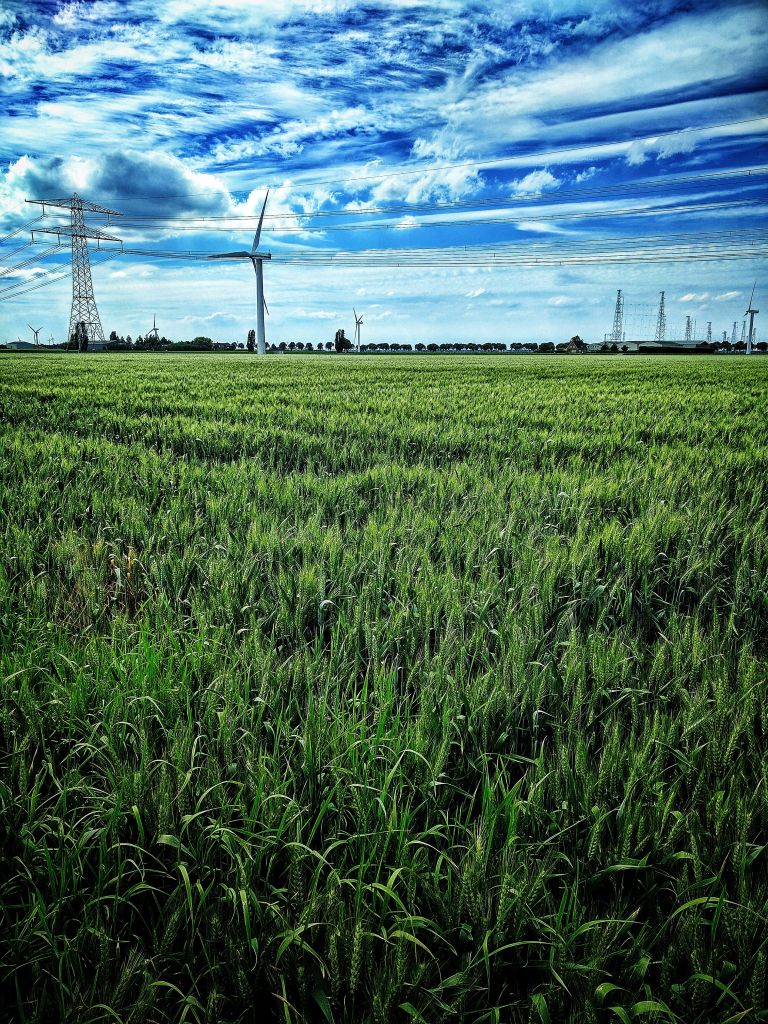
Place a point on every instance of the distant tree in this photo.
(201, 341)
(432, 347)
(762, 346)
(282, 346)
(547, 346)
(625, 349)
(113, 336)
(251, 345)
(309, 347)
(240, 345)
(341, 342)
(300, 346)
(562, 346)
(81, 336)
(614, 347)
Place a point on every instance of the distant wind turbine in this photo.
(257, 259)
(36, 334)
(153, 330)
(358, 324)
(751, 313)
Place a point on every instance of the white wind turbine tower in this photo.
(153, 331)
(751, 313)
(36, 334)
(257, 259)
(358, 324)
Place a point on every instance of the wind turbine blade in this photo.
(355, 312)
(266, 307)
(751, 297)
(257, 236)
(229, 255)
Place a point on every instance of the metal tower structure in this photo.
(733, 334)
(688, 329)
(725, 337)
(709, 332)
(751, 313)
(358, 325)
(84, 310)
(661, 321)
(618, 319)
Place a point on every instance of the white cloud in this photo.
(586, 174)
(475, 294)
(694, 297)
(536, 181)
(727, 296)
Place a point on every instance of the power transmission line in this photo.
(590, 192)
(51, 277)
(513, 219)
(447, 166)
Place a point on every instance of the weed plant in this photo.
(383, 690)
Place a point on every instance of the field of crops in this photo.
(387, 689)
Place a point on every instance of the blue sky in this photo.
(525, 124)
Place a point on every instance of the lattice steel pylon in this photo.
(84, 310)
(661, 320)
(618, 319)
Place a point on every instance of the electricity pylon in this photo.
(661, 321)
(618, 319)
(84, 310)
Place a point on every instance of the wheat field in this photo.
(383, 689)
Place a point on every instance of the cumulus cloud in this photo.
(536, 181)
(662, 148)
(586, 174)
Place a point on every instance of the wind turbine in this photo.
(153, 330)
(257, 259)
(358, 324)
(36, 334)
(751, 313)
